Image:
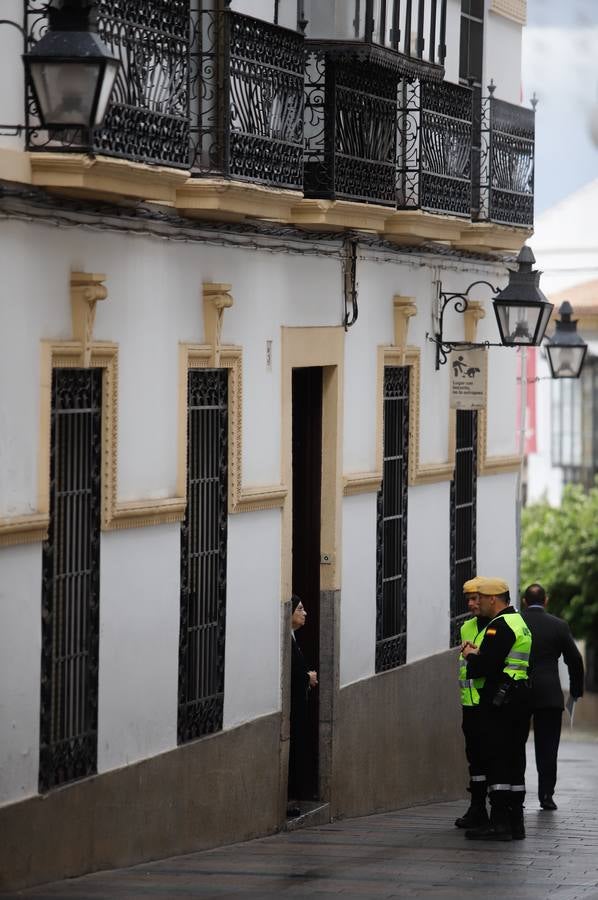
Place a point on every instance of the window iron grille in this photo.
(70, 581)
(391, 559)
(203, 557)
(463, 517)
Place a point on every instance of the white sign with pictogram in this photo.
(468, 378)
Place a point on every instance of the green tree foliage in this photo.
(560, 551)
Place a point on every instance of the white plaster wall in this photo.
(358, 595)
(502, 402)
(253, 606)
(139, 641)
(12, 75)
(270, 290)
(20, 654)
(31, 307)
(428, 570)
(154, 303)
(497, 541)
(453, 36)
(502, 57)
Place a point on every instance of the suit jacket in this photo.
(551, 637)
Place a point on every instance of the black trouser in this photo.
(547, 736)
(472, 732)
(505, 730)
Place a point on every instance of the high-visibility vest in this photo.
(470, 687)
(517, 661)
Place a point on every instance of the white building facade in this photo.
(565, 449)
(217, 389)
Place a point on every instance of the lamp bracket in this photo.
(460, 299)
(443, 348)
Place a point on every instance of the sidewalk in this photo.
(407, 854)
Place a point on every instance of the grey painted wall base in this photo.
(214, 791)
(398, 739)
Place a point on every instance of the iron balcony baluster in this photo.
(148, 117)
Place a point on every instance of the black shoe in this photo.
(475, 817)
(547, 803)
(489, 833)
(516, 823)
(293, 812)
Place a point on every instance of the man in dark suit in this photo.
(551, 638)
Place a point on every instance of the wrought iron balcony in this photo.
(148, 117)
(350, 130)
(507, 163)
(434, 151)
(247, 91)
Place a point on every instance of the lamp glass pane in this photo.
(65, 91)
(566, 362)
(110, 73)
(543, 324)
(518, 323)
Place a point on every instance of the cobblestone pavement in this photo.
(406, 854)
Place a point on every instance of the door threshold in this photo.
(313, 812)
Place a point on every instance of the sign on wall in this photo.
(468, 379)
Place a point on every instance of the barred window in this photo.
(71, 581)
(391, 567)
(463, 517)
(203, 557)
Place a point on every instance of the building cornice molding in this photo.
(516, 10)
(102, 177)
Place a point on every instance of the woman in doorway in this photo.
(302, 681)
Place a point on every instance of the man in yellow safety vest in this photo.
(472, 631)
(502, 659)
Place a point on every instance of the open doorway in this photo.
(306, 534)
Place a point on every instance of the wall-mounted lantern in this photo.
(566, 350)
(522, 310)
(70, 69)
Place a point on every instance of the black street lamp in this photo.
(70, 69)
(566, 349)
(522, 310)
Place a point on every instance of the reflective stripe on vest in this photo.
(470, 687)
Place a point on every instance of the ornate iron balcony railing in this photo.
(148, 118)
(434, 147)
(247, 95)
(507, 163)
(350, 129)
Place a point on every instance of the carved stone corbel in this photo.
(404, 308)
(216, 298)
(474, 312)
(86, 290)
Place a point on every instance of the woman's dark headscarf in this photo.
(295, 601)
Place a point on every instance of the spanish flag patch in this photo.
(491, 631)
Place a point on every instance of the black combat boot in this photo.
(499, 828)
(516, 819)
(476, 816)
